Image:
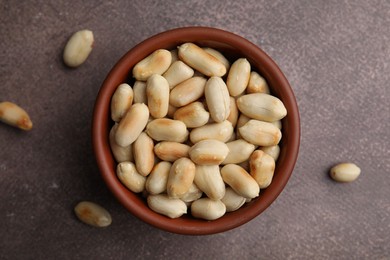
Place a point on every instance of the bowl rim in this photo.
(101, 121)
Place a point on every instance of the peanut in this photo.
(156, 182)
(78, 48)
(232, 200)
(345, 172)
(208, 179)
(156, 63)
(161, 204)
(262, 167)
(92, 214)
(239, 151)
(14, 115)
(208, 209)
(121, 154)
(240, 181)
(217, 131)
(181, 177)
(143, 154)
(197, 58)
(187, 92)
(260, 133)
(192, 115)
(177, 73)
(257, 84)
(238, 77)
(157, 93)
(208, 152)
(164, 129)
(128, 175)
(217, 99)
(132, 124)
(121, 101)
(171, 151)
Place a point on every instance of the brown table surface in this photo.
(336, 55)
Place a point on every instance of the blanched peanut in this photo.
(121, 154)
(217, 131)
(128, 175)
(156, 182)
(157, 93)
(121, 101)
(219, 56)
(240, 181)
(208, 209)
(345, 172)
(164, 129)
(239, 151)
(161, 204)
(262, 167)
(143, 154)
(192, 115)
(177, 73)
(92, 214)
(132, 124)
(232, 200)
(192, 194)
(197, 58)
(233, 115)
(261, 106)
(181, 177)
(273, 151)
(208, 179)
(257, 84)
(156, 63)
(187, 92)
(217, 99)
(139, 90)
(238, 77)
(260, 133)
(208, 152)
(171, 151)
(78, 48)
(14, 115)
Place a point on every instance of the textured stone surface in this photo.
(336, 55)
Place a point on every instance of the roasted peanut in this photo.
(232, 200)
(177, 73)
(192, 115)
(156, 63)
(219, 56)
(239, 151)
(260, 133)
(208, 179)
(345, 172)
(217, 131)
(197, 58)
(121, 154)
(262, 168)
(78, 48)
(157, 93)
(161, 204)
(164, 129)
(261, 106)
(187, 92)
(257, 84)
(139, 90)
(208, 152)
(121, 101)
(208, 209)
(132, 124)
(14, 115)
(171, 151)
(181, 177)
(217, 99)
(238, 77)
(92, 214)
(156, 182)
(143, 154)
(240, 181)
(128, 175)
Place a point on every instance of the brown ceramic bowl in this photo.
(233, 46)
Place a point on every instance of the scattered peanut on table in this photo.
(195, 132)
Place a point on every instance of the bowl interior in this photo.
(233, 46)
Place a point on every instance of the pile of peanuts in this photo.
(195, 132)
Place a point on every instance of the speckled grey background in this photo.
(336, 55)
